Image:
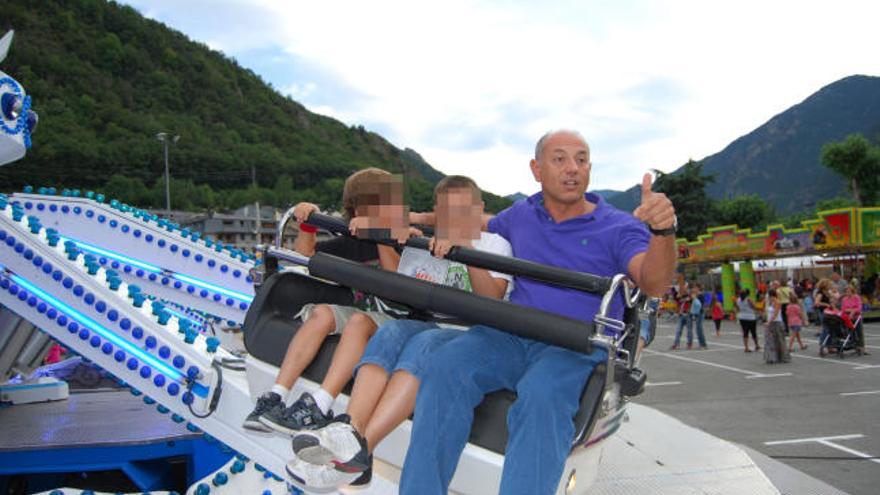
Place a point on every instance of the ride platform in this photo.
(102, 431)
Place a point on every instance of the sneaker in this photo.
(363, 481)
(304, 414)
(338, 444)
(265, 402)
(673, 347)
(317, 477)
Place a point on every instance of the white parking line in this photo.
(855, 366)
(661, 384)
(867, 392)
(827, 441)
(749, 374)
(767, 375)
(815, 439)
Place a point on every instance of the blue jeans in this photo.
(684, 320)
(701, 337)
(548, 381)
(405, 345)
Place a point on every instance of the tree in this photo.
(687, 191)
(859, 162)
(747, 211)
(834, 203)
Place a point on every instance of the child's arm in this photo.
(428, 218)
(306, 239)
(389, 259)
(485, 284)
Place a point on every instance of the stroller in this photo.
(842, 335)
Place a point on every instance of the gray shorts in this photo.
(341, 315)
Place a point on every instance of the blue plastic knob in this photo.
(220, 479)
(163, 317)
(212, 344)
(138, 300)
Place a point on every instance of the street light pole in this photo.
(163, 136)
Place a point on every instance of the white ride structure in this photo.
(17, 120)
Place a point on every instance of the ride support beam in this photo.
(728, 286)
(747, 278)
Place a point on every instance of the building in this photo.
(240, 229)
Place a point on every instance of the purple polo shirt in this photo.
(601, 243)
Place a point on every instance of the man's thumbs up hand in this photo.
(656, 209)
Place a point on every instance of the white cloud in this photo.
(472, 85)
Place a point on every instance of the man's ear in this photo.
(536, 169)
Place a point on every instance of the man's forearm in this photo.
(658, 266)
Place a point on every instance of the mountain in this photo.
(106, 80)
(516, 196)
(606, 193)
(779, 161)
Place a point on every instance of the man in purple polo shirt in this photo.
(562, 226)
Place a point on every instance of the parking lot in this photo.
(817, 415)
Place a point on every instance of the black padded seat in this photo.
(271, 323)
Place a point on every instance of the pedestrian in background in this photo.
(795, 322)
(822, 301)
(684, 306)
(698, 314)
(717, 313)
(775, 350)
(748, 319)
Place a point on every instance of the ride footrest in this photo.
(632, 381)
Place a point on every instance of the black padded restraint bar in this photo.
(543, 273)
(419, 294)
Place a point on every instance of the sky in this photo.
(472, 85)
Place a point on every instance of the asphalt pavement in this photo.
(818, 415)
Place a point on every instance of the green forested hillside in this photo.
(105, 80)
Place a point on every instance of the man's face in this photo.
(563, 169)
(835, 276)
(458, 215)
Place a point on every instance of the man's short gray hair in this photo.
(539, 148)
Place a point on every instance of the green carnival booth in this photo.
(844, 231)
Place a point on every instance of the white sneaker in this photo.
(320, 478)
(338, 442)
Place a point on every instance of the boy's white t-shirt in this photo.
(421, 264)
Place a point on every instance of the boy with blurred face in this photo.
(373, 203)
(382, 213)
(387, 378)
